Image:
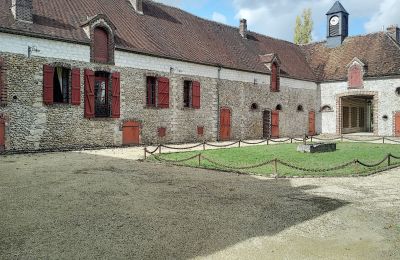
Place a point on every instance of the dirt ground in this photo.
(93, 205)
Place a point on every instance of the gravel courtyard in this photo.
(87, 205)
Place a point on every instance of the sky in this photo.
(276, 18)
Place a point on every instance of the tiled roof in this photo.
(377, 51)
(162, 31)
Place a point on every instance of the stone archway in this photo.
(367, 95)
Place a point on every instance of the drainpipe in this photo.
(218, 108)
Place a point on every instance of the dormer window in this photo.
(101, 52)
(356, 74)
(275, 77)
(101, 33)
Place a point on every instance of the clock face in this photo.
(334, 20)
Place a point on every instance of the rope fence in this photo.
(267, 142)
(275, 162)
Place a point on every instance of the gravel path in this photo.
(87, 205)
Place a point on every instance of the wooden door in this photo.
(275, 124)
(131, 133)
(311, 123)
(225, 124)
(266, 124)
(2, 134)
(397, 124)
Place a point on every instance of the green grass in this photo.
(247, 156)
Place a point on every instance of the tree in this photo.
(304, 27)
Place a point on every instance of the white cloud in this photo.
(218, 17)
(388, 14)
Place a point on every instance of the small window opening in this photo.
(279, 107)
(300, 108)
(101, 94)
(151, 91)
(385, 117)
(398, 91)
(61, 85)
(162, 132)
(187, 88)
(254, 106)
(200, 130)
(326, 108)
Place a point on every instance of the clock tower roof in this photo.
(337, 8)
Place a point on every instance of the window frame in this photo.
(105, 77)
(67, 98)
(155, 95)
(275, 73)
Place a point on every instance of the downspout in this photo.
(218, 100)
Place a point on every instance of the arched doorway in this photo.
(225, 124)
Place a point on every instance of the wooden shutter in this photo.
(196, 94)
(274, 78)
(163, 92)
(397, 124)
(89, 93)
(100, 45)
(48, 75)
(275, 124)
(2, 134)
(116, 95)
(355, 77)
(76, 87)
(311, 123)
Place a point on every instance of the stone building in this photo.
(95, 73)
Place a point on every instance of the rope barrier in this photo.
(395, 157)
(222, 145)
(181, 148)
(373, 165)
(391, 140)
(260, 142)
(147, 151)
(326, 139)
(158, 158)
(237, 168)
(339, 167)
(361, 140)
(279, 141)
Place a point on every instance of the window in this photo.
(157, 92)
(398, 91)
(151, 91)
(61, 85)
(102, 94)
(326, 108)
(191, 94)
(275, 77)
(278, 107)
(254, 106)
(300, 108)
(200, 130)
(100, 47)
(162, 132)
(355, 76)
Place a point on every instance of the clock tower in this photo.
(338, 25)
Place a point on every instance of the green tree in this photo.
(304, 27)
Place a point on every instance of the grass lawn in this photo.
(246, 156)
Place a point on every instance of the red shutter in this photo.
(48, 75)
(116, 93)
(100, 45)
(76, 87)
(355, 77)
(274, 77)
(163, 92)
(196, 94)
(89, 93)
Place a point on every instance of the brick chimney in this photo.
(394, 32)
(22, 10)
(138, 5)
(243, 28)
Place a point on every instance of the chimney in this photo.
(394, 32)
(22, 10)
(138, 5)
(243, 28)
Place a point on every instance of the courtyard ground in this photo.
(94, 205)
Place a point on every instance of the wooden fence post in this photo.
(276, 167)
(389, 155)
(159, 149)
(145, 153)
(204, 146)
(341, 138)
(291, 140)
(239, 143)
(267, 141)
(383, 139)
(199, 159)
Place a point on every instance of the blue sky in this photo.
(276, 18)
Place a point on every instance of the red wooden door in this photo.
(275, 124)
(311, 123)
(225, 124)
(397, 124)
(2, 134)
(131, 133)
